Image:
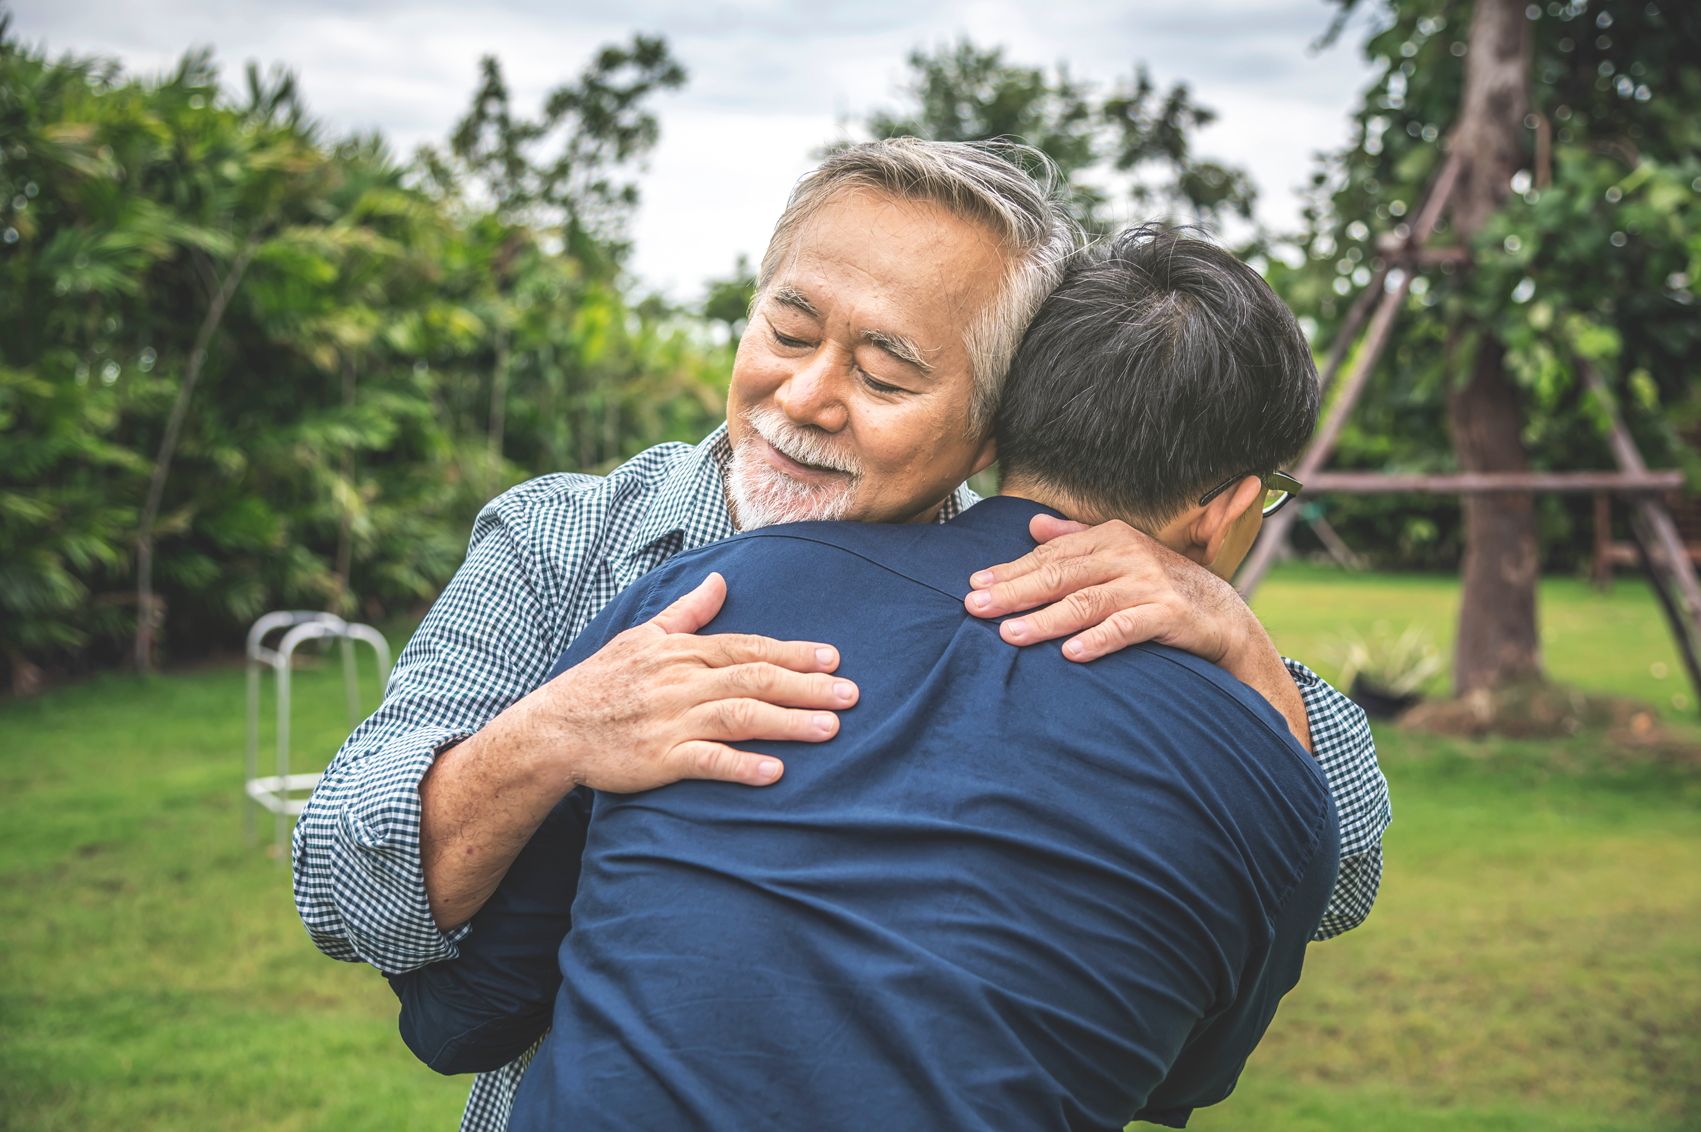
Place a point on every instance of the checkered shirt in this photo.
(544, 559)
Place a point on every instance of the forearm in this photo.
(479, 804)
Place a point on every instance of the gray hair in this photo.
(984, 183)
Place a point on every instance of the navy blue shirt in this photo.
(1014, 892)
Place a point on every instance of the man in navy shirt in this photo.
(1013, 892)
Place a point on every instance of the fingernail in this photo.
(824, 657)
(980, 599)
(981, 580)
(824, 722)
(1075, 648)
(768, 768)
(1016, 628)
(844, 689)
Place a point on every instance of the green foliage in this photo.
(401, 347)
(1398, 666)
(1593, 255)
(968, 93)
(601, 124)
(728, 300)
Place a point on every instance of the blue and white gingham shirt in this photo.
(545, 558)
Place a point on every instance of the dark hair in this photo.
(1161, 366)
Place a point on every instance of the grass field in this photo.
(1615, 642)
(1534, 962)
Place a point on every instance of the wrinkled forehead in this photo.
(910, 260)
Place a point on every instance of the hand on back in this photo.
(659, 703)
(1112, 586)
(1106, 588)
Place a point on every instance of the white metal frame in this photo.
(273, 792)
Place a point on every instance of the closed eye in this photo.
(878, 386)
(789, 342)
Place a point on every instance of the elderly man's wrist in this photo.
(1247, 649)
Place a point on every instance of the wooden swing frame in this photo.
(1663, 553)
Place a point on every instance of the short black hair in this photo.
(1160, 367)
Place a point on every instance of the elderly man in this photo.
(887, 336)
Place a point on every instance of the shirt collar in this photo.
(691, 501)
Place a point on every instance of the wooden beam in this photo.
(1482, 483)
(1274, 536)
(1400, 252)
(1666, 572)
(1626, 553)
(1348, 333)
(1663, 552)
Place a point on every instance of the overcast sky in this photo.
(771, 80)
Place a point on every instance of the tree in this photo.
(261, 353)
(728, 300)
(1572, 235)
(558, 175)
(968, 93)
(598, 127)
(1149, 128)
(1497, 641)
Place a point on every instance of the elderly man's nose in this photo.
(812, 396)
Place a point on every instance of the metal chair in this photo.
(273, 792)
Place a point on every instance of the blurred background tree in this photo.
(393, 345)
(1587, 248)
(396, 343)
(1134, 135)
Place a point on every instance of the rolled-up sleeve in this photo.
(487, 642)
(358, 883)
(1346, 753)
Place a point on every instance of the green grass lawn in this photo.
(1615, 642)
(1534, 962)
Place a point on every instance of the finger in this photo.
(773, 685)
(1044, 528)
(722, 650)
(1121, 629)
(721, 763)
(738, 720)
(1077, 611)
(695, 610)
(1081, 542)
(1051, 577)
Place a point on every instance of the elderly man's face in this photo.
(850, 394)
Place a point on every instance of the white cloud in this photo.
(770, 79)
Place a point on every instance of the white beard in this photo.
(762, 495)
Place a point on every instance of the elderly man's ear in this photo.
(1200, 533)
(988, 454)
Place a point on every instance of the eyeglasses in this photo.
(1279, 487)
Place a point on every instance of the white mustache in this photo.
(802, 445)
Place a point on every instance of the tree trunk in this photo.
(499, 397)
(148, 611)
(1498, 640)
(1497, 611)
(345, 521)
